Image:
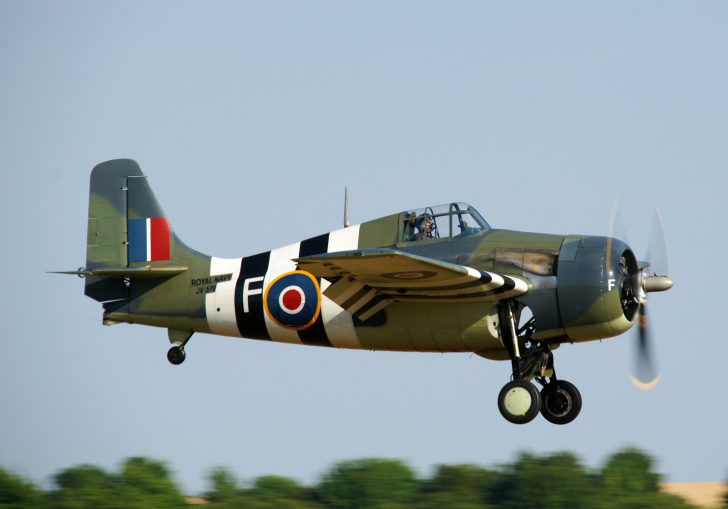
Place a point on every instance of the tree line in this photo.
(625, 481)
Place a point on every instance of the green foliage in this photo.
(556, 480)
(16, 493)
(251, 502)
(141, 484)
(145, 483)
(273, 487)
(629, 472)
(267, 492)
(626, 481)
(83, 487)
(224, 485)
(629, 482)
(368, 484)
(458, 487)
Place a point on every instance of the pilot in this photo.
(425, 226)
(466, 230)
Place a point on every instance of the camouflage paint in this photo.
(568, 282)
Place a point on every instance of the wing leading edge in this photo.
(366, 281)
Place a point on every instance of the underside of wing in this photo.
(365, 281)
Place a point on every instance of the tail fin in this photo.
(127, 231)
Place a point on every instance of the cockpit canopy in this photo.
(446, 221)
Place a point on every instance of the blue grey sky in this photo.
(250, 118)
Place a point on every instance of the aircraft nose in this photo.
(595, 291)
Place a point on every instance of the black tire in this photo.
(519, 402)
(561, 402)
(176, 355)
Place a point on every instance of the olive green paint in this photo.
(381, 232)
(570, 300)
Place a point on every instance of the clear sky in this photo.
(250, 118)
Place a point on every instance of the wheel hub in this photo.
(559, 402)
(517, 401)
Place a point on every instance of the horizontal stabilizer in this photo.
(146, 272)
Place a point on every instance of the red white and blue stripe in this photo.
(149, 239)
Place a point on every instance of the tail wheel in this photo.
(176, 355)
(519, 401)
(561, 402)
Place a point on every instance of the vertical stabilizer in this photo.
(126, 227)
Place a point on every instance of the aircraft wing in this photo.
(365, 281)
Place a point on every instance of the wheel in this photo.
(561, 402)
(176, 355)
(519, 401)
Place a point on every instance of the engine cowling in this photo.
(595, 287)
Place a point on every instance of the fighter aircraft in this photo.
(433, 279)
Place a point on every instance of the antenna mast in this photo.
(346, 207)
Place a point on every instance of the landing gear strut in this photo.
(520, 401)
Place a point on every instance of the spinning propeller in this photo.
(643, 278)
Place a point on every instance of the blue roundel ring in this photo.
(293, 300)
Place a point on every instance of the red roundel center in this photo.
(291, 299)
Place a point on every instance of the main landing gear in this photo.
(519, 401)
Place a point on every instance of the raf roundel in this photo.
(293, 301)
